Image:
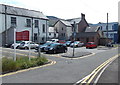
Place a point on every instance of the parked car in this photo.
(53, 41)
(16, 45)
(42, 46)
(7, 45)
(76, 44)
(56, 48)
(68, 43)
(110, 44)
(91, 45)
(25, 45)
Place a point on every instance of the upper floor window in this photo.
(36, 23)
(62, 28)
(43, 28)
(28, 22)
(13, 21)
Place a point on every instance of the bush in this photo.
(9, 65)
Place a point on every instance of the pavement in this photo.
(111, 73)
(76, 54)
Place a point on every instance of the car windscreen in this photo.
(76, 42)
(53, 45)
(47, 44)
(22, 43)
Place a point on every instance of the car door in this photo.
(61, 48)
(58, 48)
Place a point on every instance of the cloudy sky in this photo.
(95, 10)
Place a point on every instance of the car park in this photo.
(16, 44)
(42, 46)
(76, 44)
(26, 44)
(91, 45)
(56, 48)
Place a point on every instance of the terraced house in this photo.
(65, 27)
(33, 24)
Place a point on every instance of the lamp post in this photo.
(74, 34)
(39, 51)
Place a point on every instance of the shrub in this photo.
(9, 65)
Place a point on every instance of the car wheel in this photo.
(12, 47)
(65, 51)
(26, 48)
(54, 51)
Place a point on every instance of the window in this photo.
(43, 28)
(35, 37)
(13, 21)
(28, 21)
(62, 28)
(36, 23)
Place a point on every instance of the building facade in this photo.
(111, 33)
(22, 20)
(65, 28)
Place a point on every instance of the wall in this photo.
(59, 27)
(82, 25)
(21, 26)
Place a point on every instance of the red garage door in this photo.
(24, 35)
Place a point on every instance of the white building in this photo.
(52, 33)
(22, 19)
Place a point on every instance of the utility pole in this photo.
(107, 25)
(74, 34)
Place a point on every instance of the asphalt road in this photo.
(64, 71)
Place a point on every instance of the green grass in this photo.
(8, 65)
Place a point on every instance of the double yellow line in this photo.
(92, 75)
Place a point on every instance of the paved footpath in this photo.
(111, 74)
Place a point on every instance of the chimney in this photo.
(82, 16)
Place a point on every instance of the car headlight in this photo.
(51, 48)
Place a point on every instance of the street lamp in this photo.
(74, 34)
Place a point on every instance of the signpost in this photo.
(14, 44)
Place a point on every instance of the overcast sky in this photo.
(95, 10)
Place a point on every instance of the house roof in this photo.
(92, 29)
(66, 23)
(22, 12)
(77, 20)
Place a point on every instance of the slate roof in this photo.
(77, 20)
(22, 12)
(92, 29)
(66, 23)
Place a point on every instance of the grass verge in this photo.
(8, 65)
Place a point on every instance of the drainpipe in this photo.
(46, 30)
(6, 24)
(32, 28)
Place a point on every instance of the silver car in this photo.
(76, 44)
(25, 45)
